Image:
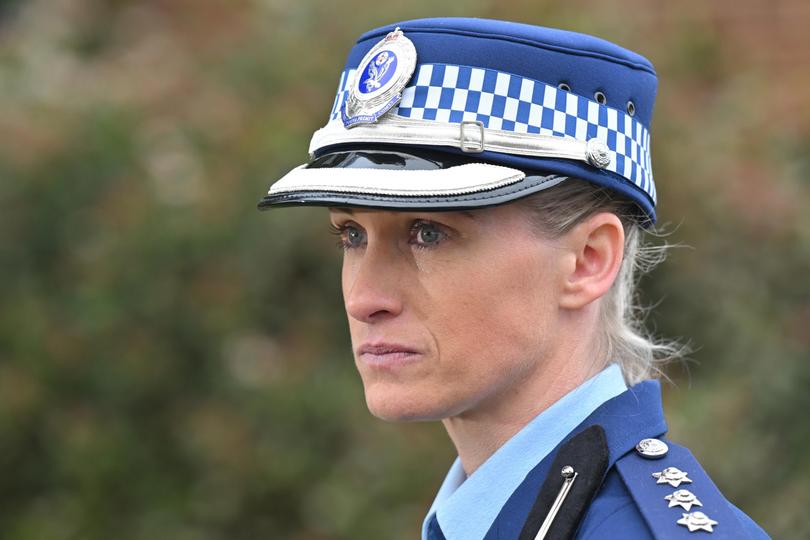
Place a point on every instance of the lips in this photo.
(386, 355)
(384, 348)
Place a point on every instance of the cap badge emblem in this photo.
(380, 78)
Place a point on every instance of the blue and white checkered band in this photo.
(508, 102)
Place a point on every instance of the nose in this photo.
(373, 287)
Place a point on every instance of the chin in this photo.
(397, 406)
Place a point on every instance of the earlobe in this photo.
(598, 246)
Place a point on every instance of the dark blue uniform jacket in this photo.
(629, 502)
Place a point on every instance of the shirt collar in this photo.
(466, 507)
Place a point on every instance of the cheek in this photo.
(504, 309)
(494, 324)
(346, 271)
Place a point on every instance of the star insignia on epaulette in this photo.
(683, 498)
(672, 476)
(697, 521)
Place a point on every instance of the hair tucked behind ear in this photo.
(626, 342)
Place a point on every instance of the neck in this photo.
(478, 432)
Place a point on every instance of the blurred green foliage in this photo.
(174, 364)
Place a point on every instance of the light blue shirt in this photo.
(466, 507)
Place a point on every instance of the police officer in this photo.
(490, 183)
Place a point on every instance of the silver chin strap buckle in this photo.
(471, 140)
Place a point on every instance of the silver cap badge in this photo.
(380, 78)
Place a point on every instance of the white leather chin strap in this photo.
(469, 136)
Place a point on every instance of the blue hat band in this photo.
(508, 102)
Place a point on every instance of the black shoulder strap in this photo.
(587, 454)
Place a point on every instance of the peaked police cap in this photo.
(452, 113)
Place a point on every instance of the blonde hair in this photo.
(625, 340)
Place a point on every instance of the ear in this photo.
(597, 246)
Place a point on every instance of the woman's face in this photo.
(448, 312)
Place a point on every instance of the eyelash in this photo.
(340, 230)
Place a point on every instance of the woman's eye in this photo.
(426, 234)
(354, 237)
(350, 236)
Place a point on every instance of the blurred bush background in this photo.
(174, 364)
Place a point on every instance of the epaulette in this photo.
(675, 495)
